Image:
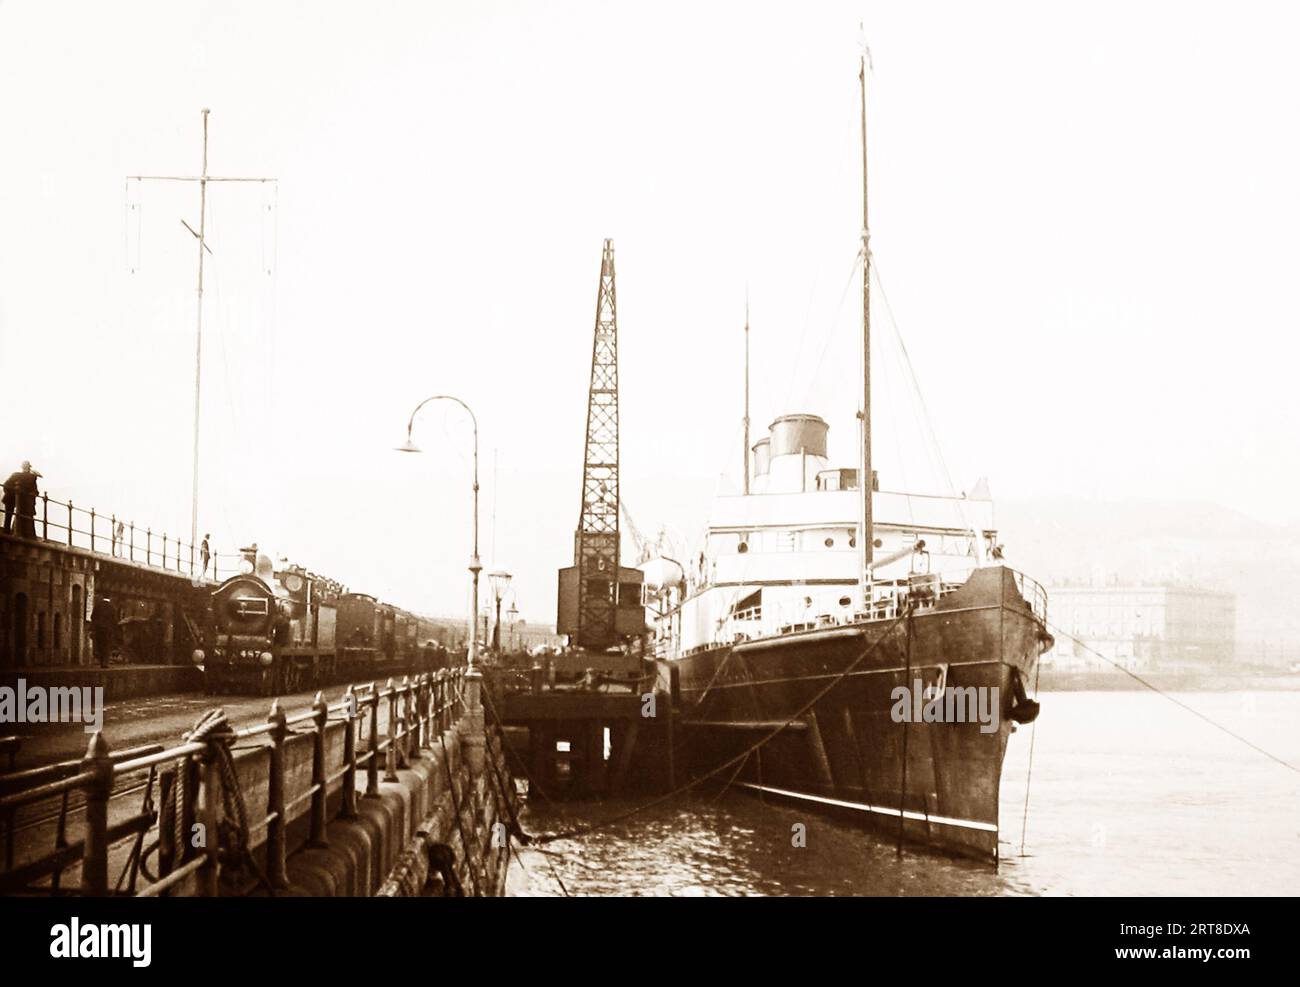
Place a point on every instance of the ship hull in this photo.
(854, 743)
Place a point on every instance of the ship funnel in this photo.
(793, 435)
(762, 456)
(797, 453)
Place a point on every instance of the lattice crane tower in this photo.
(596, 547)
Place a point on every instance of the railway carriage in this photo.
(273, 633)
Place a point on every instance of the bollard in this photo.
(390, 761)
(539, 678)
(94, 864)
(276, 845)
(372, 765)
(322, 711)
(348, 810)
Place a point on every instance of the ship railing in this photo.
(743, 625)
(62, 523)
(1032, 592)
(312, 764)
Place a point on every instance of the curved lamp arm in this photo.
(474, 565)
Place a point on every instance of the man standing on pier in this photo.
(20, 495)
(205, 553)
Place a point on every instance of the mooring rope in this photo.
(516, 828)
(460, 823)
(1029, 774)
(532, 783)
(1178, 702)
(214, 730)
(135, 860)
(587, 828)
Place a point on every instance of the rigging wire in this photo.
(911, 372)
(1178, 702)
(926, 417)
(586, 828)
(839, 306)
(1029, 774)
(850, 125)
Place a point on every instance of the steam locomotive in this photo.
(270, 633)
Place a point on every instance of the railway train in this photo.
(274, 632)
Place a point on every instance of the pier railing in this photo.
(64, 523)
(293, 773)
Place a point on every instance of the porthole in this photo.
(853, 542)
(878, 543)
(830, 542)
(743, 547)
(846, 601)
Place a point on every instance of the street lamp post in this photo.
(475, 567)
(500, 579)
(513, 616)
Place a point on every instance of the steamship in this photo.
(815, 599)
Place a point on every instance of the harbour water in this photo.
(1129, 795)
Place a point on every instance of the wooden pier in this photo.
(572, 742)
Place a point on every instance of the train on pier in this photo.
(272, 632)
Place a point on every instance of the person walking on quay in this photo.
(205, 553)
(20, 494)
(119, 530)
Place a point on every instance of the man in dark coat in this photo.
(20, 496)
(11, 498)
(103, 623)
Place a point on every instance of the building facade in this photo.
(1158, 627)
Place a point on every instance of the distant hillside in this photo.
(1056, 539)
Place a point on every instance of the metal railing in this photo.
(1032, 592)
(193, 786)
(63, 523)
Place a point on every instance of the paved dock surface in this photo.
(148, 720)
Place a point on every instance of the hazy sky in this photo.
(1085, 216)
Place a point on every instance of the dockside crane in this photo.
(600, 608)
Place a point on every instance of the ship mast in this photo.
(864, 481)
(745, 453)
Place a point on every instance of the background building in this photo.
(1170, 626)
